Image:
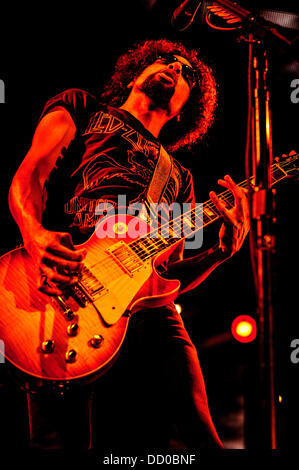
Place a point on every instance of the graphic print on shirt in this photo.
(107, 124)
(103, 168)
(124, 165)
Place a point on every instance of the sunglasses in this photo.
(188, 73)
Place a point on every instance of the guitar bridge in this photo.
(78, 295)
(89, 285)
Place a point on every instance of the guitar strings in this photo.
(154, 246)
(226, 196)
(207, 204)
(155, 243)
(158, 242)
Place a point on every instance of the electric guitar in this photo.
(75, 337)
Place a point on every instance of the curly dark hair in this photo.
(198, 112)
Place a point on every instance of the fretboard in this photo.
(193, 220)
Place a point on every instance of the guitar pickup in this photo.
(127, 259)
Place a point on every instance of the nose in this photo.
(176, 66)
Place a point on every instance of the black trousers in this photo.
(153, 397)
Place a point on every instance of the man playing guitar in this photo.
(84, 153)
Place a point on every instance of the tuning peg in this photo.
(292, 152)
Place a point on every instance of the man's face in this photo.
(166, 82)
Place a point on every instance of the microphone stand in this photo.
(259, 156)
(262, 237)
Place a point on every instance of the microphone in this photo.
(184, 14)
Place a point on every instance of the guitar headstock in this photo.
(289, 164)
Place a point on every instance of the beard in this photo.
(157, 91)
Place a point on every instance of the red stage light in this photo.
(244, 328)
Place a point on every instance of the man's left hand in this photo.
(236, 221)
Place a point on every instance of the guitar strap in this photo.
(160, 177)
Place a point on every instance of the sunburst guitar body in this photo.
(76, 336)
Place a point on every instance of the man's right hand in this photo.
(54, 252)
(57, 259)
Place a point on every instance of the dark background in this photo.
(48, 50)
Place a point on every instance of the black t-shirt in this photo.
(112, 154)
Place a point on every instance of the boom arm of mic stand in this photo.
(258, 25)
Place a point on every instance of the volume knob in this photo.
(48, 346)
(96, 341)
(71, 355)
(72, 329)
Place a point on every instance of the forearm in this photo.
(26, 203)
(193, 271)
(27, 195)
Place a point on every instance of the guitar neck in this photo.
(197, 218)
(211, 214)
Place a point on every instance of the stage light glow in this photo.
(244, 328)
